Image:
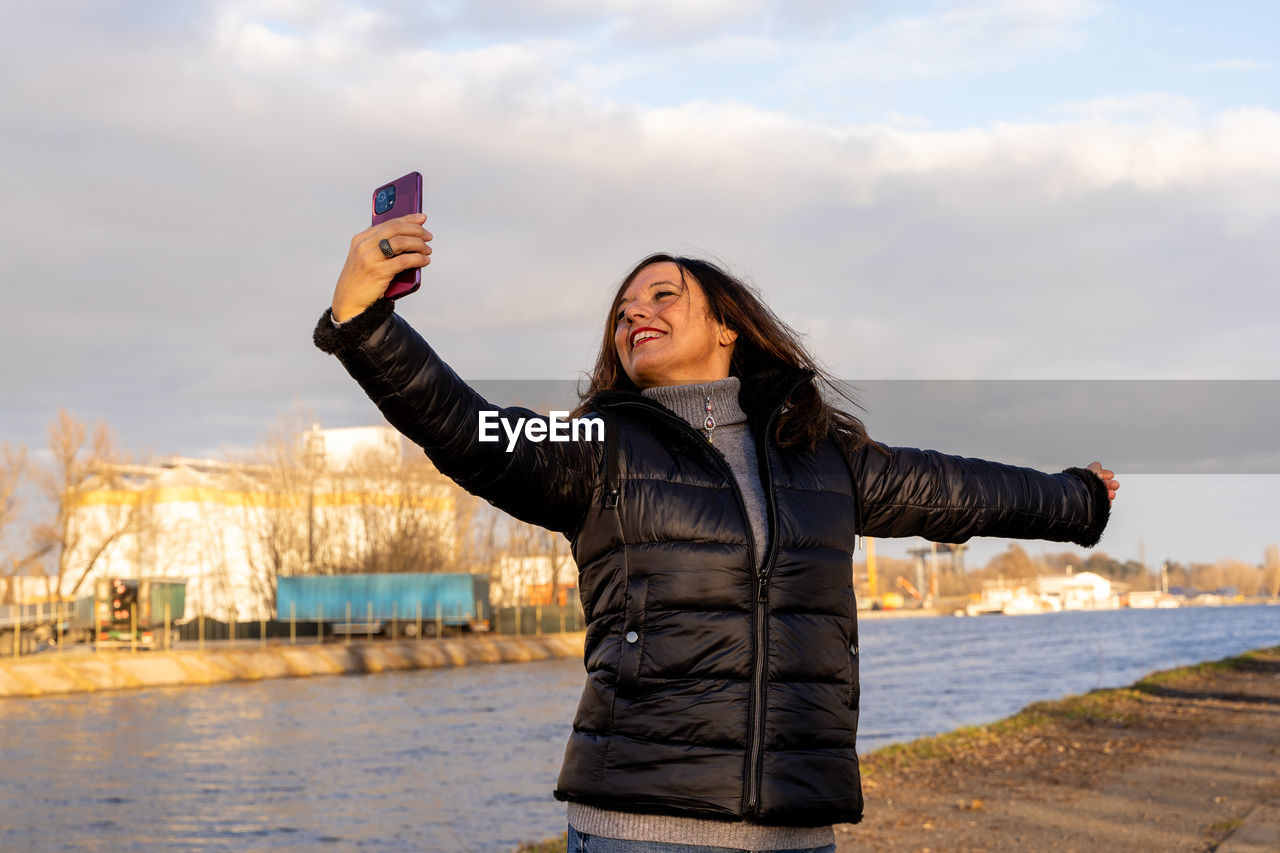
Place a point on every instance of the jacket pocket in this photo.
(632, 640)
(855, 686)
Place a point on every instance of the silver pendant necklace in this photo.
(710, 423)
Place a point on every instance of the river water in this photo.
(465, 759)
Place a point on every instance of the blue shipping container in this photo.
(452, 599)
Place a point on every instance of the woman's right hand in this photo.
(367, 272)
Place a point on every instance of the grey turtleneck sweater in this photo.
(732, 438)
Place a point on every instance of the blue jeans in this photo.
(597, 844)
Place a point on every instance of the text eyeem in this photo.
(558, 426)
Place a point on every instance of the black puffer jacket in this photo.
(713, 689)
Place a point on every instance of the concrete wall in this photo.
(85, 672)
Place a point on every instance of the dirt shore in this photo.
(1187, 759)
(1183, 760)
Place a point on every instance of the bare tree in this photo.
(283, 531)
(558, 552)
(1013, 564)
(470, 516)
(481, 534)
(1238, 575)
(1208, 577)
(1177, 574)
(403, 511)
(1060, 561)
(314, 512)
(74, 539)
(13, 470)
(1271, 571)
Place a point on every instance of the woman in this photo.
(714, 530)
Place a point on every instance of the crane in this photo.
(909, 588)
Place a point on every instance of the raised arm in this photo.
(542, 482)
(908, 492)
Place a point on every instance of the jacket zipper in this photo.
(755, 737)
(756, 766)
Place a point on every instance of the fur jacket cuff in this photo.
(333, 338)
(1101, 506)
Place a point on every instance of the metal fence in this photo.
(537, 620)
(22, 633)
(29, 628)
(528, 621)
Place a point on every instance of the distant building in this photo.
(1146, 599)
(1011, 598)
(1078, 591)
(336, 449)
(524, 581)
(229, 529)
(177, 522)
(1047, 593)
(23, 589)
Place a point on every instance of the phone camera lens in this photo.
(385, 199)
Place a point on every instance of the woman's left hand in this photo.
(1107, 477)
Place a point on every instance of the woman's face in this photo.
(665, 333)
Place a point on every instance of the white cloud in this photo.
(215, 202)
(251, 43)
(959, 39)
(213, 161)
(1231, 65)
(1144, 107)
(1089, 154)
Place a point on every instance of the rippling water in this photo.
(465, 759)
(926, 676)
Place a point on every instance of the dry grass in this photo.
(553, 845)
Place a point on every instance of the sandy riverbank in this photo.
(1182, 760)
(86, 671)
(1186, 759)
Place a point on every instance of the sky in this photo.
(1031, 191)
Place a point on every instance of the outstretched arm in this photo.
(908, 492)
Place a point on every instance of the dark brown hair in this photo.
(766, 347)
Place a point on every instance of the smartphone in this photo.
(391, 201)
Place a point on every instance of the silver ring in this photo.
(387, 251)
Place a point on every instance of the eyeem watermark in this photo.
(557, 427)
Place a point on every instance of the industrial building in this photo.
(231, 528)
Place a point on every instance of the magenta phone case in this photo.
(406, 198)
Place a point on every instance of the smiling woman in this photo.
(666, 333)
(714, 529)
